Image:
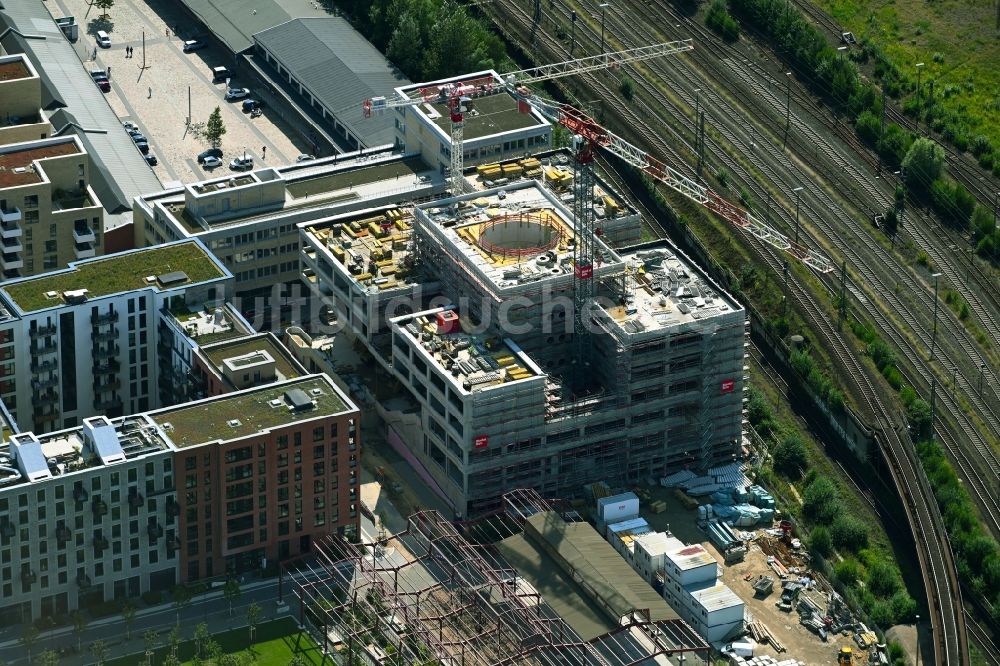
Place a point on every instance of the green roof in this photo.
(114, 274)
(497, 113)
(356, 177)
(283, 362)
(209, 420)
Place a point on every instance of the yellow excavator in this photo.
(845, 657)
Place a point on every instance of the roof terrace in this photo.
(164, 266)
(250, 412)
(241, 348)
(12, 69)
(17, 161)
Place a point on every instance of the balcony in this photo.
(63, 534)
(11, 245)
(99, 507)
(11, 262)
(43, 348)
(135, 500)
(40, 385)
(84, 235)
(105, 317)
(80, 494)
(28, 577)
(108, 405)
(105, 333)
(83, 580)
(154, 531)
(44, 415)
(108, 368)
(7, 529)
(83, 251)
(47, 398)
(42, 331)
(70, 199)
(100, 542)
(10, 230)
(110, 351)
(110, 385)
(39, 367)
(10, 216)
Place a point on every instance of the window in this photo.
(318, 434)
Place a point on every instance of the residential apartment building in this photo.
(116, 507)
(249, 220)
(88, 340)
(21, 117)
(240, 363)
(262, 473)
(51, 215)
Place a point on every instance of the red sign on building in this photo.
(728, 385)
(584, 272)
(482, 441)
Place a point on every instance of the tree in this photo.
(150, 638)
(99, 651)
(406, 48)
(104, 6)
(79, 625)
(820, 502)
(253, 617)
(297, 660)
(719, 20)
(868, 127)
(231, 592)
(201, 637)
(213, 650)
(923, 164)
(171, 660)
(182, 599)
(48, 658)
(918, 412)
(790, 457)
(28, 638)
(819, 541)
(215, 129)
(128, 616)
(627, 88)
(174, 639)
(849, 533)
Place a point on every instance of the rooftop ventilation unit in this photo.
(234, 423)
(167, 427)
(75, 295)
(316, 391)
(150, 279)
(274, 403)
(176, 277)
(52, 294)
(298, 400)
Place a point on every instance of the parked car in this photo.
(249, 105)
(305, 158)
(98, 74)
(233, 94)
(220, 74)
(103, 83)
(241, 164)
(103, 40)
(151, 159)
(137, 136)
(211, 152)
(129, 125)
(142, 146)
(192, 45)
(211, 162)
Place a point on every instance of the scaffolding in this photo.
(430, 593)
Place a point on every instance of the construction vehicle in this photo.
(845, 657)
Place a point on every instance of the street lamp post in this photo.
(920, 67)
(934, 333)
(982, 368)
(603, 6)
(917, 627)
(954, 381)
(797, 191)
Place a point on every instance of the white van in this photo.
(103, 40)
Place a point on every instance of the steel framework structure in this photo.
(431, 593)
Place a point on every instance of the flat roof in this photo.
(284, 363)
(491, 113)
(465, 357)
(556, 587)
(249, 412)
(360, 173)
(714, 596)
(13, 69)
(17, 160)
(604, 574)
(691, 557)
(115, 273)
(669, 291)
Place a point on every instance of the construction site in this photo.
(531, 584)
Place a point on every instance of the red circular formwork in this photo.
(519, 235)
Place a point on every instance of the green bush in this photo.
(820, 542)
(848, 571)
(627, 88)
(849, 534)
(820, 501)
(790, 457)
(719, 20)
(152, 597)
(923, 163)
(868, 127)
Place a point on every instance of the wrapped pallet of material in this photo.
(530, 163)
(482, 169)
(512, 170)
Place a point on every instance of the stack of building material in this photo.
(676, 479)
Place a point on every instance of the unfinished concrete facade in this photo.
(487, 350)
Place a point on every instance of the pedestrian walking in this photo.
(150, 93)
(263, 153)
(109, 72)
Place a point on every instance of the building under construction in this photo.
(532, 584)
(494, 368)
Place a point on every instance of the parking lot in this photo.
(156, 98)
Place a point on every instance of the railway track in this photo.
(933, 549)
